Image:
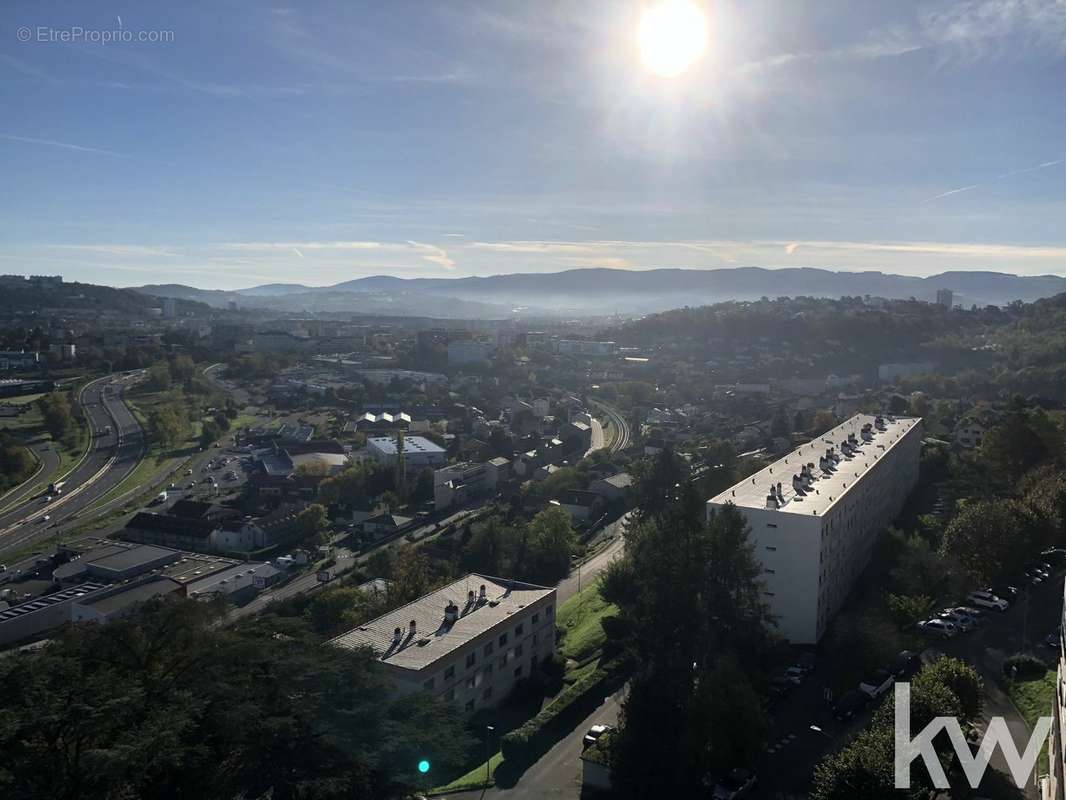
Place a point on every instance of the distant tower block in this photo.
(945, 297)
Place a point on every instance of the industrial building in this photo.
(417, 451)
(816, 513)
(468, 643)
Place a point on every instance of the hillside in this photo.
(603, 291)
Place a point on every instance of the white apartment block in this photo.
(468, 643)
(816, 513)
(1053, 785)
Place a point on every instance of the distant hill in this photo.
(602, 291)
(85, 296)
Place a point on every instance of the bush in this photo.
(524, 743)
(1027, 666)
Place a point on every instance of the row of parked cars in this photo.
(965, 617)
(904, 667)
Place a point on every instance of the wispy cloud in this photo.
(64, 145)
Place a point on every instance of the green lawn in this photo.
(474, 779)
(1034, 699)
(579, 619)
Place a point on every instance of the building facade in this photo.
(815, 515)
(468, 643)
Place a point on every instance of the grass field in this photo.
(474, 779)
(1034, 699)
(579, 619)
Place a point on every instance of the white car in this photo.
(938, 627)
(983, 599)
(877, 684)
(593, 734)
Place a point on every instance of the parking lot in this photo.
(805, 727)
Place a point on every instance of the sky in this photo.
(232, 143)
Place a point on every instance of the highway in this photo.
(116, 446)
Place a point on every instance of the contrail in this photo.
(1013, 172)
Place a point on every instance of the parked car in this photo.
(906, 665)
(796, 674)
(986, 599)
(806, 661)
(960, 621)
(938, 627)
(876, 684)
(739, 783)
(593, 733)
(850, 703)
(1004, 590)
(1056, 556)
(1035, 578)
(1054, 639)
(976, 613)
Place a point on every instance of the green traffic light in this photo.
(423, 766)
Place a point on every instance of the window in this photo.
(449, 673)
(536, 618)
(518, 672)
(518, 651)
(470, 682)
(503, 639)
(428, 685)
(485, 695)
(488, 649)
(469, 705)
(519, 630)
(449, 695)
(535, 638)
(470, 660)
(548, 611)
(487, 671)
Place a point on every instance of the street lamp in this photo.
(488, 754)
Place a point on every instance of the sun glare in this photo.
(672, 36)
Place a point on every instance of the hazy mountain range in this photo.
(604, 291)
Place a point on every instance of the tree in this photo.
(168, 424)
(312, 523)
(147, 706)
(551, 543)
(159, 377)
(823, 421)
(696, 614)
(209, 433)
(993, 539)
(56, 410)
(491, 548)
(780, 428)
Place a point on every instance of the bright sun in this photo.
(672, 36)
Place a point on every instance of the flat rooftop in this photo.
(827, 488)
(411, 444)
(433, 639)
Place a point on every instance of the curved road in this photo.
(47, 463)
(111, 456)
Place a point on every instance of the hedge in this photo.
(526, 742)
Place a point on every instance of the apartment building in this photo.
(816, 513)
(1052, 786)
(468, 643)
